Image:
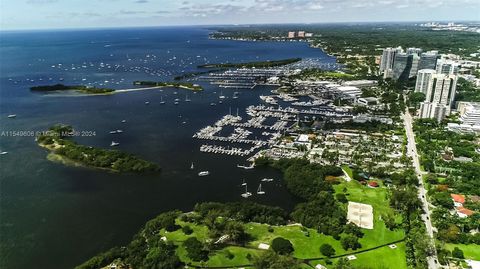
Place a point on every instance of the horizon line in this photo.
(227, 24)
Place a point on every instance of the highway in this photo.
(412, 152)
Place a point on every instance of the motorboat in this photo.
(203, 173)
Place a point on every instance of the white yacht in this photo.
(203, 173)
(246, 167)
(113, 144)
(3, 152)
(11, 116)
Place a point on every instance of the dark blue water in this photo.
(53, 216)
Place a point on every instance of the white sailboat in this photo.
(161, 100)
(259, 190)
(246, 194)
(187, 99)
(244, 183)
(221, 95)
(191, 166)
(113, 144)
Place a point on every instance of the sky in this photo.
(47, 14)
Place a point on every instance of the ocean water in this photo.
(53, 216)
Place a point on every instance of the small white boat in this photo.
(191, 166)
(11, 116)
(161, 101)
(246, 194)
(113, 144)
(203, 173)
(246, 167)
(244, 183)
(116, 131)
(213, 104)
(175, 103)
(146, 103)
(259, 190)
(123, 121)
(267, 179)
(3, 152)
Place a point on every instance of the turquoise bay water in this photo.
(54, 216)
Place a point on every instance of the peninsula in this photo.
(77, 88)
(261, 64)
(69, 152)
(159, 84)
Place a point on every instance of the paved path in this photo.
(412, 152)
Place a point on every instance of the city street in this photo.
(412, 151)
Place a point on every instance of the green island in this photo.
(250, 235)
(69, 152)
(181, 85)
(260, 64)
(78, 88)
(194, 74)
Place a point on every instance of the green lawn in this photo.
(470, 251)
(305, 247)
(348, 170)
(384, 257)
(377, 197)
(309, 246)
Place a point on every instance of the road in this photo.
(412, 152)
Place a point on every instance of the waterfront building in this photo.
(439, 97)
(424, 80)
(291, 34)
(301, 34)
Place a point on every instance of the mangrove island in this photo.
(78, 88)
(182, 85)
(67, 151)
(261, 64)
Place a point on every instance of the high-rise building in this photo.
(469, 113)
(301, 34)
(291, 34)
(402, 64)
(424, 80)
(439, 97)
(449, 67)
(428, 60)
(415, 64)
(416, 51)
(388, 56)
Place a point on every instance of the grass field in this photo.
(377, 197)
(470, 251)
(307, 242)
